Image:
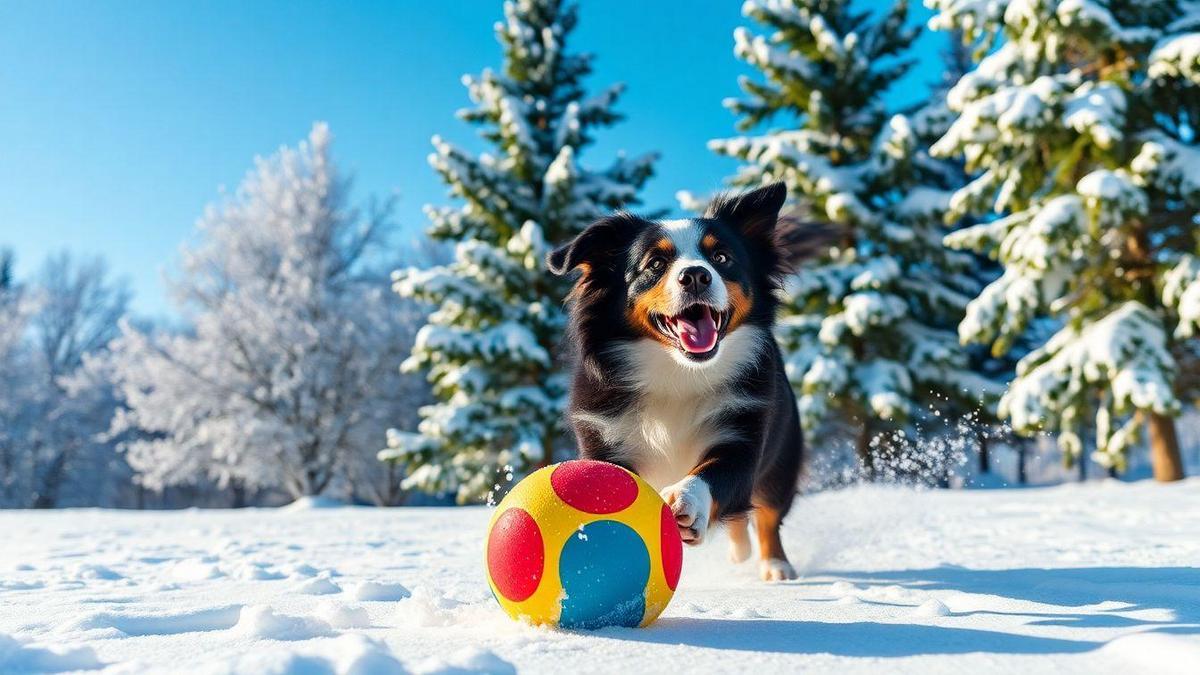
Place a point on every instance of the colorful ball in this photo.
(583, 544)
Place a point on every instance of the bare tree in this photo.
(56, 417)
(78, 313)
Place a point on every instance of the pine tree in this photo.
(869, 330)
(490, 346)
(1079, 126)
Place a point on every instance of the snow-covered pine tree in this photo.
(869, 330)
(1079, 122)
(490, 346)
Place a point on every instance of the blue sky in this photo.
(121, 120)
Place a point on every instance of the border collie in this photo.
(677, 376)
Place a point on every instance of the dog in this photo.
(677, 376)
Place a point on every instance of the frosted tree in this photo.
(869, 330)
(54, 449)
(490, 347)
(14, 317)
(77, 314)
(1079, 125)
(291, 369)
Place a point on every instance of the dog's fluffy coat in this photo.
(677, 376)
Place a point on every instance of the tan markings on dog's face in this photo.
(656, 300)
(739, 305)
(709, 242)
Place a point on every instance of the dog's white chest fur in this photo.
(681, 406)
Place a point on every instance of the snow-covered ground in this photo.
(1080, 578)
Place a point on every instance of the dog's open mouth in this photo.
(696, 331)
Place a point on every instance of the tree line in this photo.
(1016, 255)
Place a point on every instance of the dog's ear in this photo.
(597, 246)
(754, 213)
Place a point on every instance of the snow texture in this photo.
(1072, 579)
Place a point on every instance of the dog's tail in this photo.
(799, 238)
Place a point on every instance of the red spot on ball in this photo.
(672, 548)
(515, 555)
(594, 487)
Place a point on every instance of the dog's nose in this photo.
(695, 279)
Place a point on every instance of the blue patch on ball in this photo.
(604, 569)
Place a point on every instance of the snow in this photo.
(1181, 290)
(1177, 56)
(1157, 652)
(1072, 579)
(19, 657)
(1097, 109)
(375, 590)
(759, 52)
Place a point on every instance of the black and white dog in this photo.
(678, 377)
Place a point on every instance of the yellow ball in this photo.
(583, 544)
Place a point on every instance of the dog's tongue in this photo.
(698, 336)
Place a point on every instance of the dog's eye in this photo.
(721, 258)
(657, 263)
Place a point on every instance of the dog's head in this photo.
(686, 284)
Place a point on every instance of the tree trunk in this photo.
(1022, 476)
(985, 459)
(1082, 467)
(47, 495)
(547, 451)
(862, 448)
(237, 490)
(1164, 449)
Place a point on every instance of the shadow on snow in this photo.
(1173, 591)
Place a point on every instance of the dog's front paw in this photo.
(774, 569)
(691, 502)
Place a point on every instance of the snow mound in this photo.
(345, 655)
(1156, 653)
(17, 657)
(260, 621)
(257, 572)
(312, 503)
(96, 572)
(302, 570)
(378, 590)
(931, 609)
(135, 623)
(840, 589)
(468, 661)
(428, 607)
(317, 586)
(196, 569)
(341, 615)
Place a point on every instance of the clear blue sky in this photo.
(120, 120)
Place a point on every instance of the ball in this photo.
(583, 544)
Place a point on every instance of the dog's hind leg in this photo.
(773, 564)
(739, 538)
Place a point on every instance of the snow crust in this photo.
(1072, 579)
